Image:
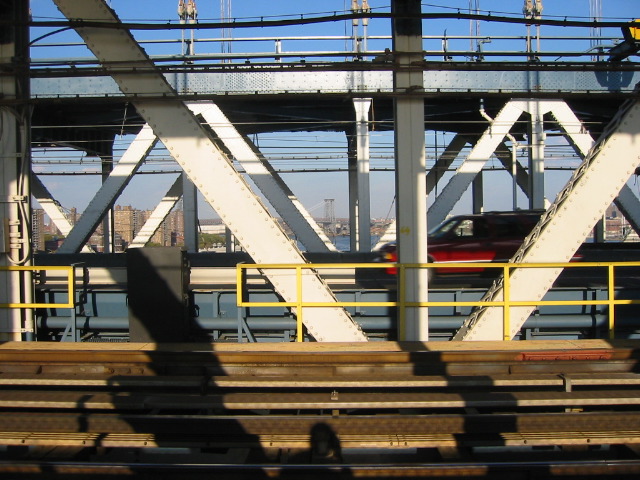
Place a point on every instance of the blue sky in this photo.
(311, 190)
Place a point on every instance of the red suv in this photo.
(486, 237)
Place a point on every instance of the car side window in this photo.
(472, 228)
(464, 228)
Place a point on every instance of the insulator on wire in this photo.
(192, 11)
(355, 8)
(365, 9)
(537, 8)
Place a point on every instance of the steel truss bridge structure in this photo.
(492, 104)
(503, 102)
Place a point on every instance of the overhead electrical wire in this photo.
(565, 21)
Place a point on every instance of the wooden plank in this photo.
(331, 400)
(314, 347)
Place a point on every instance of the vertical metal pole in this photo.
(360, 203)
(15, 168)
(514, 174)
(600, 230)
(477, 188)
(352, 156)
(536, 156)
(190, 212)
(300, 302)
(108, 240)
(506, 304)
(411, 208)
(611, 296)
(230, 241)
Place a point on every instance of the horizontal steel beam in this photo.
(559, 82)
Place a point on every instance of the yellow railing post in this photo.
(611, 298)
(401, 300)
(299, 303)
(506, 305)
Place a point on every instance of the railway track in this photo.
(381, 410)
(470, 471)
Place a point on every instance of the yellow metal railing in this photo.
(71, 283)
(506, 303)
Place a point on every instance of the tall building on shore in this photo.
(128, 222)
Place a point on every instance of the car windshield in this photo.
(444, 228)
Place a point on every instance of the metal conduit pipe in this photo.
(444, 322)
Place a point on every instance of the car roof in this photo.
(517, 213)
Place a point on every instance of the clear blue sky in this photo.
(310, 189)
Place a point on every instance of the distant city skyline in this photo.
(128, 221)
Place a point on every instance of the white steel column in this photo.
(190, 214)
(15, 206)
(11, 248)
(210, 170)
(536, 155)
(411, 208)
(359, 181)
(107, 217)
(563, 228)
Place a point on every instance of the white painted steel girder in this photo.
(492, 139)
(475, 161)
(578, 207)
(360, 198)
(52, 208)
(444, 161)
(266, 179)
(243, 212)
(629, 205)
(212, 173)
(108, 192)
(582, 141)
(517, 83)
(162, 210)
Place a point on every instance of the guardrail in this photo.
(71, 280)
(73, 299)
(506, 303)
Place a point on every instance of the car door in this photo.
(472, 241)
(509, 233)
(467, 241)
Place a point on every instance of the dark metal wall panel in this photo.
(158, 281)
